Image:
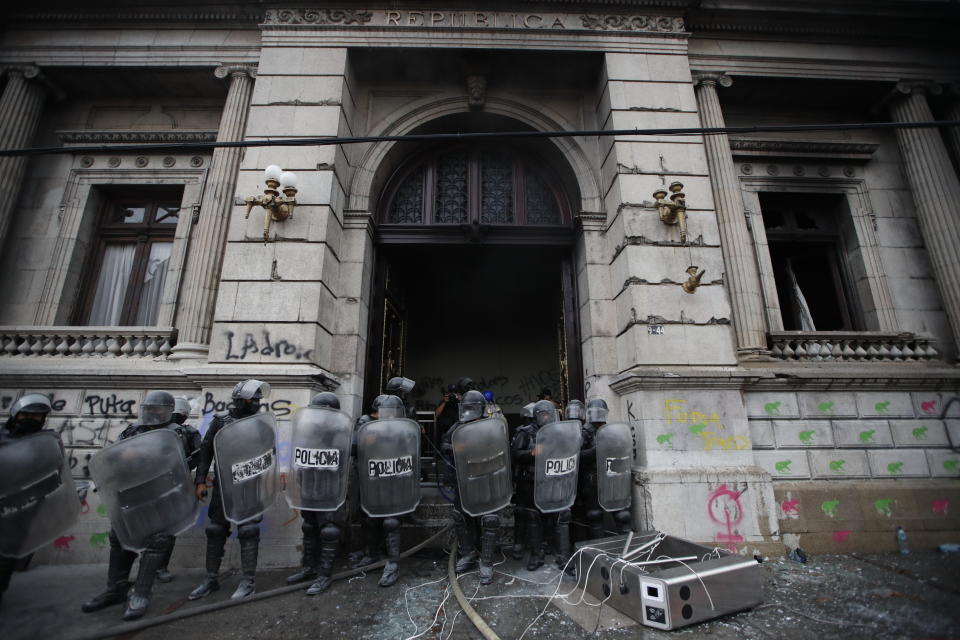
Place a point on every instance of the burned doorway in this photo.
(474, 277)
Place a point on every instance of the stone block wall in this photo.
(849, 467)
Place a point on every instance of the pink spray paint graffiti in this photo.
(63, 542)
(841, 536)
(725, 509)
(929, 407)
(940, 506)
(791, 508)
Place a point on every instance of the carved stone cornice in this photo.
(135, 137)
(77, 16)
(754, 148)
(657, 24)
(318, 16)
(230, 70)
(712, 78)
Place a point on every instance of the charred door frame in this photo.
(530, 237)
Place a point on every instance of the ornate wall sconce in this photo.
(674, 211)
(277, 207)
(690, 286)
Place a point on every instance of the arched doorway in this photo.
(474, 274)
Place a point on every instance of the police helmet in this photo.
(325, 399)
(31, 403)
(157, 408)
(545, 412)
(388, 406)
(181, 409)
(527, 410)
(464, 384)
(251, 390)
(597, 410)
(472, 406)
(400, 385)
(575, 411)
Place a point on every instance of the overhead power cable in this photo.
(477, 135)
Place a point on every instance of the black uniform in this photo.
(9, 432)
(218, 527)
(588, 503)
(521, 450)
(158, 546)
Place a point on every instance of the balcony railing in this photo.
(86, 342)
(858, 346)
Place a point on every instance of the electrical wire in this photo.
(482, 135)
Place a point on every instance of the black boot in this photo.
(216, 539)
(371, 543)
(563, 542)
(391, 571)
(163, 573)
(465, 543)
(519, 534)
(309, 563)
(329, 547)
(118, 578)
(534, 540)
(249, 535)
(150, 560)
(489, 534)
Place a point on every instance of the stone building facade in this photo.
(786, 364)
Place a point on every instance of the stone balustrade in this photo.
(859, 346)
(110, 342)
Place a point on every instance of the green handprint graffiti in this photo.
(783, 466)
(867, 436)
(830, 507)
(895, 467)
(806, 437)
(837, 465)
(772, 408)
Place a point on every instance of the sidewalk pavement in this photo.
(849, 596)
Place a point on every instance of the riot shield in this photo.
(614, 446)
(481, 452)
(38, 500)
(146, 487)
(388, 464)
(320, 459)
(246, 454)
(556, 461)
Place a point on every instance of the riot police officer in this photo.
(548, 479)
(27, 416)
(474, 445)
(388, 463)
(156, 412)
(191, 438)
(575, 411)
(596, 478)
(519, 514)
(323, 490)
(401, 387)
(246, 395)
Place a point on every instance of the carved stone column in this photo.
(953, 133)
(936, 193)
(20, 108)
(205, 254)
(742, 276)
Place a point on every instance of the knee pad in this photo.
(217, 530)
(160, 541)
(330, 533)
(490, 521)
(623, 517)
(563, 517)
(248, 531)
(391, 524)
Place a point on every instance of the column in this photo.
(20, 108)
(742, 277)
(953, 133)
(205, 254)
(936, 193)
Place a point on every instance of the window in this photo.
(807, 256)
(482, 185)
(128, 268)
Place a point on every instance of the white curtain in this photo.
(153, 279)
(800, 301)
(112, 284)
